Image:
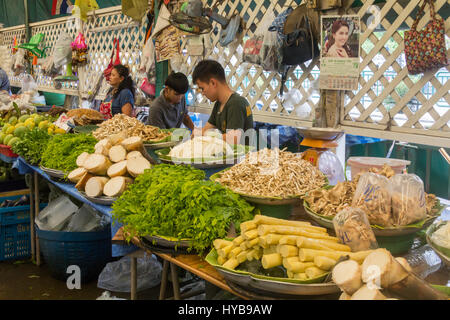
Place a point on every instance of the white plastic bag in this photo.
(148, 56)
(116, 276)
(408, 199)
(373, 195)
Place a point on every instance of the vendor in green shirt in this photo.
(232, 114)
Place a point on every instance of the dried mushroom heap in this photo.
(273, 173)
(330, 202)
(83, 117)
(132, 127)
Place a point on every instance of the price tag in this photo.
(64, 122)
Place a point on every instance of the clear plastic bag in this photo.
(373, 195)
(353, 228)
(408, 199)
(63, 50)
(116, 275)
(270, 48)
(252, 49)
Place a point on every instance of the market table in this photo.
(68, 188)
(192, 263)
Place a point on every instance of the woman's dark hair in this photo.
(334, 28)
(178, 82)
(127, 82)
(207, 70)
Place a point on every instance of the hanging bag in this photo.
(425, 49)
(107, 71)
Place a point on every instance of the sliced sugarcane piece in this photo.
(287, 250)
(231, 264)
(287, 261)
(345, 296)
(220, 243)
(117, 138)
(81, 158)
(134, 154)
(117, 153)
(118, 169)
(368, 293)
(264, 229)
(76, 175)
(291, 240)
(272, 238)
(137, 166)
(300, 276)
(102, 147)
(238, 240)
(221, 260)
(320, 244)
(324, 263)
(314, 272)
(81, 185)
(271, 260)
(116, 186)
(270, 249)
(225, 251)
(234, 252)
(299, 266)
(133, 144)
(347, 276)
(242, 257)
(94, 186)
(97, 164)
(247, 226)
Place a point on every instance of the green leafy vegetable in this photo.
(62, 150)
(175, 201)
(32, 144)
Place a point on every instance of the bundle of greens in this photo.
(175, 201)
(62, 150)
(32, 144)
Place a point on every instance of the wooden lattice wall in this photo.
(388, 104)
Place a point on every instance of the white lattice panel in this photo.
(388, 98)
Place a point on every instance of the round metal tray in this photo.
(103, 200)
(53, 173)
(280, 287)
(320, 133)
(161, 145)
(444, 258)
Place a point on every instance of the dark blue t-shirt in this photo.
(125, 96)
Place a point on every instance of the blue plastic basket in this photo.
(15, 241)
(14, 215)
(90, 251)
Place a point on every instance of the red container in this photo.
(7, 151)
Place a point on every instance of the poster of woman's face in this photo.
(340, 37)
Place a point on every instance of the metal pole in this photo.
(27, 27)
(133, 278)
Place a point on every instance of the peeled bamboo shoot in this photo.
(366, 293)
(231, 264)
(252, 243)
(242, 257)
(297, 267)
(273, 238)
(262, 219)
(300, 276)
(225, 251)
(324, 263)
(221, 260)
(247, 226)
(81, 158)
(234, 252)
(137, 166)
(347, 276)
(97, 164)
(116, 186)
(270, 249)
(76, 175)
(94, 186)
(118, 169)
(249, 235)
(289, 260)
(132, 144)
(292, 240)
(271, 260)
(238, 240)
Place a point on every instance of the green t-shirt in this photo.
(236, 114)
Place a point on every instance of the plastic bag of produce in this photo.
(408, 199)
(353, 228)
(373, 195)
(116, 275)
(270, 47)
(63, 50)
